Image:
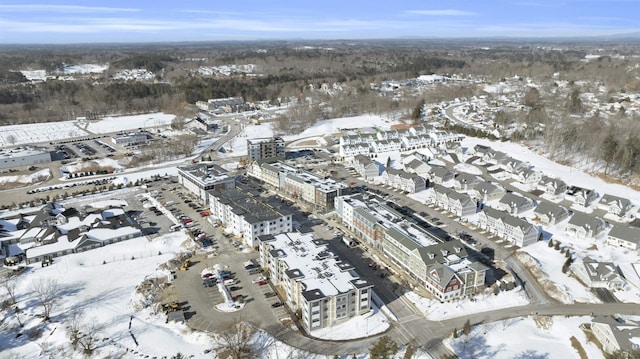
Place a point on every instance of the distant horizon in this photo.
(75, 22)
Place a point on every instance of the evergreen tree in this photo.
(383, 348)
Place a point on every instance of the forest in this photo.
(549, 109)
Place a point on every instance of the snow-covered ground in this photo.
(237, 147)
(102, 283)
(38, 132)
(128, 123)
(527, 337)
(436, 310)
(327, 127)
(358, 327)
(86, 68)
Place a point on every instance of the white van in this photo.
(229, 281)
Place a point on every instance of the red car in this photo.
(262, 282)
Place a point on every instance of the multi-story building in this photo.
(200, 178)
(248, 215)
(268, 148)
(422, 254)
(317, 284)
(299, 184)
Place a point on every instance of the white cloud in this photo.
(62, 8)
(446, 12)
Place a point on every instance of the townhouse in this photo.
(512, 229)
(514, 203)
(366, 167)
(624, 236)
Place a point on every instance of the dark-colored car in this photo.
(276, 305)
(269, 294)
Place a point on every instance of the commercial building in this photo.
(130, 138)
(266, 148)
(325, 290)
(200, 178)
(23, 156)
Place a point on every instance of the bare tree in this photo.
(87, 333)
(234, 342)
(9, 285)
(46, 291)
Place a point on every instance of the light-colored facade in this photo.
(598, 274)
(584, 226)
(615, 205)
(366, 167)
(323, 289)
(515, 230)
(550, 213)
(298, 184)
(272, 148)
(23, 156)
(624, 236)
(245, 214)
(200, 178)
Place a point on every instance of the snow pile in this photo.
(35, 177)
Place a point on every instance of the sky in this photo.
(94, 21)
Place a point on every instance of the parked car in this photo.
(276, 305)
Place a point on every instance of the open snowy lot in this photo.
(38, 132)
(327, 127)
(128, 123)
(528, 337)
(101, 284)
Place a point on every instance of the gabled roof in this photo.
(623, 202)
(627, 233)
(487, 187)
(512, 199)
(585, 221)
(551, 209)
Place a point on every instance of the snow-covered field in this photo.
(38, 132)
(327, 127)
(547, 337)
(102, 285)
(128, 123)
(86, 68)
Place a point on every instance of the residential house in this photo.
(490, 220)
(366, 167)
(418, 167)
(461, 204)
(615, 205)
(624, 236)
(519, 232)
(552, 186)
(581, 196)
(596, 274)
(527, 176)
(404, 181)
(584, 226)
(465, 181)
(514, 203)
(440, 175)
(512, 229)
(615, 334)
(550, 213)
(487, 191)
